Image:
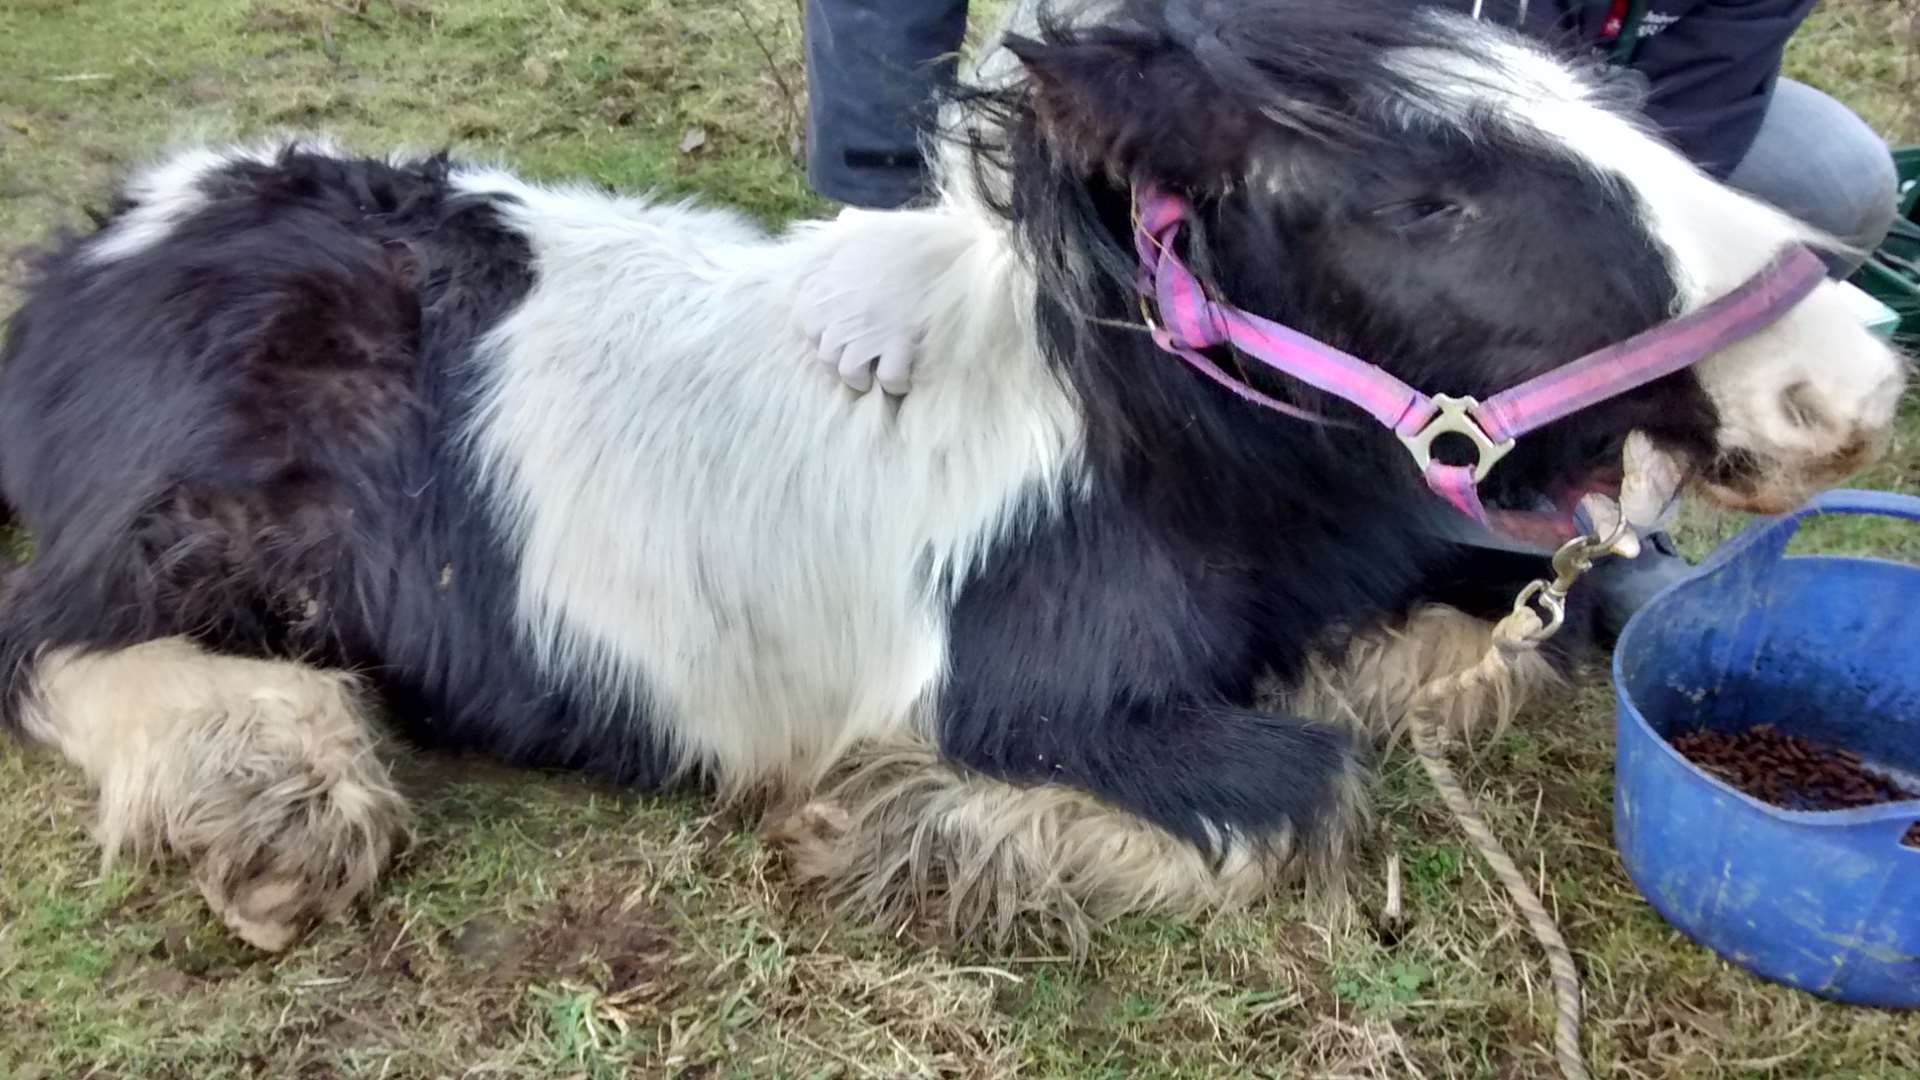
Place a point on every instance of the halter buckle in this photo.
(1455, 418)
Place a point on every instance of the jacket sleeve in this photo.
(1711, 75)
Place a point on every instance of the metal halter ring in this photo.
(1456, 418)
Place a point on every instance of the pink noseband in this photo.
(1189, 322)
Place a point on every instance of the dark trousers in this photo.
(874, 70)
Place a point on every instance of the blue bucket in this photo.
(1824, 647)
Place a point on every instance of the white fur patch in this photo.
(706, 519)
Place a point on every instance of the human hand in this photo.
(863, 306)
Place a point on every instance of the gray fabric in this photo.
(1817, 160)
(873, 69)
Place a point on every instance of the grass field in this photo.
(547, 928)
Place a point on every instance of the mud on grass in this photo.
(544, 927)
(541, 927)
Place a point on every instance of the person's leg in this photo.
(873, 68)
(1817, 160)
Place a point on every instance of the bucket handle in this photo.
(1766, 541)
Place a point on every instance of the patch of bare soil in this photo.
(470, 985)
(617, 948)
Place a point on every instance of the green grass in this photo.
(544, 927)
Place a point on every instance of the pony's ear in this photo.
(1134, 110)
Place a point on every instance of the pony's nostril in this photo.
(1802, 406)
(1734, 467)
(1862, 449)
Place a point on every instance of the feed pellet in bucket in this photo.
(1791, 772)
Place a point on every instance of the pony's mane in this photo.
(1315, 69)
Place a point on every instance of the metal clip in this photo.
(1574, 558)
(1455, 418)
(1552, 600)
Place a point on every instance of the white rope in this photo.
(1521, 631)
(1516, 633)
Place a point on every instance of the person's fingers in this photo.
(826, 324)
(835, 340)
(895, 366)
(837, 321)
(856, 367)
(825, 350)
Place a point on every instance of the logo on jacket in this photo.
(1650, 24)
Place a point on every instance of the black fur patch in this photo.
(248, 433)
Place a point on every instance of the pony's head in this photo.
(1435, 195)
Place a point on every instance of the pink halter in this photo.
(1189, 322)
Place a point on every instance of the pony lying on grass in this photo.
(306, 439)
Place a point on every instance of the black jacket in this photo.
(1711, 64)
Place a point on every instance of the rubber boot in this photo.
(874, 70)
(1621, 587)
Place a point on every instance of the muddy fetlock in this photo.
(271, 889)
(266, 776)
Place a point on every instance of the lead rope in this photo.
(1523, 630)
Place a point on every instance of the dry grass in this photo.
(547, 928)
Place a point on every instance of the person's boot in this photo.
(876, 70)
(1621, 587)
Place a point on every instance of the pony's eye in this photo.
(1411, 212)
